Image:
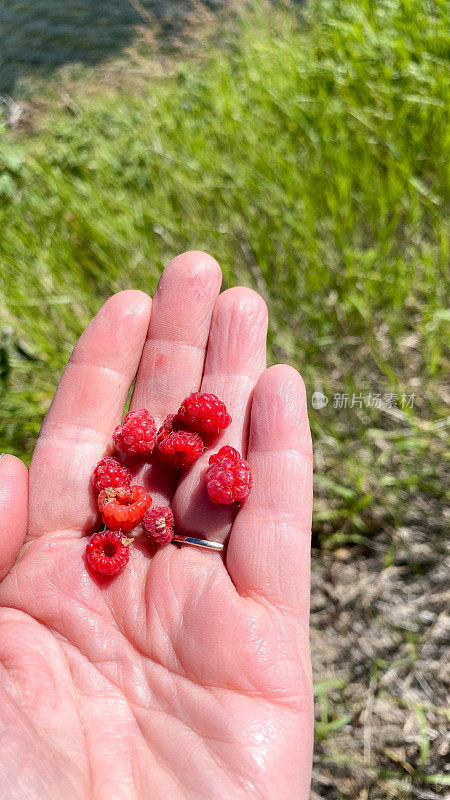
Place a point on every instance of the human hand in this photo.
(187, 677)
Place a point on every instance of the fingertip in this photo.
(285, 382)
(192, 268)
(237, 340)
(11, 466)
(184, 300)
(130, 303)
(245, 302)
(279, 410)
(198, 257)
(117, 332)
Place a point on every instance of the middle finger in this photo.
(173, 356)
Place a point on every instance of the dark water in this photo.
(37, 36)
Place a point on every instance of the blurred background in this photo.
(306, 147)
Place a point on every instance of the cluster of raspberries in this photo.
(178, 443)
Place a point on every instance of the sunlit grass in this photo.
(307, 152)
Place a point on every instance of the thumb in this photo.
(13, 510)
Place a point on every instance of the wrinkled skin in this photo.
(188, 675)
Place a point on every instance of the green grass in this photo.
(307, 151)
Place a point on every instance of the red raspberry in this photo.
(106, 553)
(225, 452)
(171, 423)
(181, 448)
(158, 524)
(137, 434)
(205, 413)
(228, 477)
(123, 508)
(110, 472)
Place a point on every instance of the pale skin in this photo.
(186, 677)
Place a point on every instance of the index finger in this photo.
(87, 406)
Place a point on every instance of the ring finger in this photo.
(235, 359)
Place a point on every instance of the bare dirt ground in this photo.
(380, 643)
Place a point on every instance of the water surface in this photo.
(37, 36)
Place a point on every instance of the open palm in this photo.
(188, 675)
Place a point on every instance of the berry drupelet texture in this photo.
(137, 434)
(228, 477)
(123, 508)
(171, 424)
(106, 553)
(158, 524)
(178, 443)
(205, 413)
(110, 472)
(181, 449)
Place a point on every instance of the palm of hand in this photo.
(184, 677)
